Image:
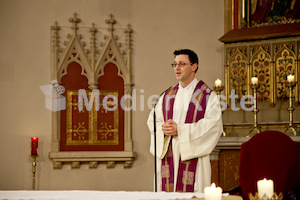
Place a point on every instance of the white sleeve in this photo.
(200, 138)
(159, 133)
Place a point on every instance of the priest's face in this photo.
(184, 70)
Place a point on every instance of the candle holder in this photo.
(219, 89)
(255, 129)
(265, 197)
(290, 129)
(34, 155)
(34, 164)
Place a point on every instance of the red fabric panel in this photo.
(271, 155)
(111, 81)
(73, 80)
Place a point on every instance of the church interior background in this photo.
(125, 48)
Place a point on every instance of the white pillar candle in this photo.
(254, 80)
(265, 187)
(213, 192)
(218, 83)
(290, 78)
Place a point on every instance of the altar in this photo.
(101, 195)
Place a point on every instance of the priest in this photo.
(189, 125)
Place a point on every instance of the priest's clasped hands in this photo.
(169, 127)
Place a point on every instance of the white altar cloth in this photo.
(92, 195)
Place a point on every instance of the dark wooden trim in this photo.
(259, 33)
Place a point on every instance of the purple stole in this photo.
(186, 169)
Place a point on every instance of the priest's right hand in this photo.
(169, 127)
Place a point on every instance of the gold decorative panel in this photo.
(271, 61)
(261, 68)
(238, 70)
(82, 127)
(284, 56)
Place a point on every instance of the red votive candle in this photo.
(34, 145)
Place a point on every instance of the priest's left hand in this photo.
(169, 127)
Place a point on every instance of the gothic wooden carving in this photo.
(106, 135)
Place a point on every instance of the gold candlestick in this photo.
(219, 89)
(265, 197)
(34, 163)
(256, 128)
(290, 129)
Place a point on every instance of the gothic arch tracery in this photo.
(92, 61)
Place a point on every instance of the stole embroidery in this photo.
(167, 171)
